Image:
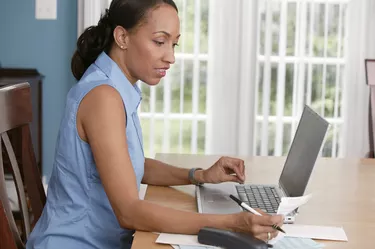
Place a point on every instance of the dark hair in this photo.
(96, 39)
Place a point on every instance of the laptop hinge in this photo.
(283, 192)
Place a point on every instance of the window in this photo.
(301, 60)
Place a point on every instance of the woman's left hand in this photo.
(226, 169)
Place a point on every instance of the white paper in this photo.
(180, 239)
(288, 204)
(190, 247)
(142, 191)
(196, 247)
(297, 243)
(315, 232)
(311, 232)
(177, 239)
(275, 240)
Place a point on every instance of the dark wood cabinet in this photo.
(10, 76)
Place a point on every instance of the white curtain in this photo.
(231, 77)
(89, 12)
(361, 45)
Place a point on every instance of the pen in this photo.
(251, 210)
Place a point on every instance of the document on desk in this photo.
(286, 243)
(288, 204)
(297, 243)
(315, 232)
(310, 232)
(193, 247)
(181, 240)
(142, 191)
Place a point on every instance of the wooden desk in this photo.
(343, 195)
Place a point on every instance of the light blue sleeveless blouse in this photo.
(78, 214)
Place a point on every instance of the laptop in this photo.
(300, 161)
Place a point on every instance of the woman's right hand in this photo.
(258, 226)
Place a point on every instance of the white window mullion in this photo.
(343, 139)
(324, 78)
(182, 75)
(267, 79)
(311, 42)
(139, 84)
(152, 119)
(301, 54)
(257, 83)
(195, 97)
(182, 85)
(295, 71)
(337, 83)
(281, 80)
(167, 110)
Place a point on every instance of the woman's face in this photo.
(150, 48)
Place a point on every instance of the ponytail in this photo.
(91, 43)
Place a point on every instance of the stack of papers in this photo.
(297, 243)
(296, 237)
(286, 243)
(315, 232)
(193, 247)
(180, 241)
(311, 232)
(142, 191)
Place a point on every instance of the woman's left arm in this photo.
(162, 174)
(224, 170)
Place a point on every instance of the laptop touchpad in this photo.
(216, 200)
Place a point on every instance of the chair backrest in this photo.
(7, 241)
(15, 115)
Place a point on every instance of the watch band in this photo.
(192, 178)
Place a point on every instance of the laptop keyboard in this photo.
(262, 197)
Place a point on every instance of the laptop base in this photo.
(214, 199)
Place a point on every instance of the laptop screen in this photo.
(303, 153)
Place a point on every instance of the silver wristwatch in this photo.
(192, 178)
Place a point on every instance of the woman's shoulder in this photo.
(88, 82)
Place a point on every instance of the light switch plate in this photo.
(46, 9)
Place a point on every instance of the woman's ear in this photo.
(121, 37)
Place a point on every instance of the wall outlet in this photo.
(46, 9)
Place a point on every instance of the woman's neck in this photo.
(118, 58)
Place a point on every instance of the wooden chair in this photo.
(6, 236)
(16, 113)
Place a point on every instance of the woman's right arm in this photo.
(101, 121)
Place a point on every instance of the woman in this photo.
(99, 163)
